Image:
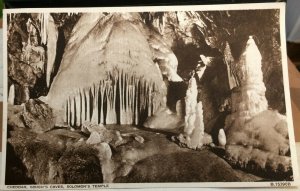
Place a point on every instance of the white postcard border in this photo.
(250, 6)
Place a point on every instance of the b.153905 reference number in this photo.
(280, 184)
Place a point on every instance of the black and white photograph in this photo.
(196, 95)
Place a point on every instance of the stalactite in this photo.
(229, 61)
(136, 102)
(11, 95)
(66, 112)
(88, 105)
(78, 109)
(83, 104)
(95, 109)
(102, 92)
(110, 109)
(130, 109)
(120, 97)
(69, 110)
(44, 19)
(99, 102)
(72, 111)
(51, 39)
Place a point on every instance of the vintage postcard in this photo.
(135, 97)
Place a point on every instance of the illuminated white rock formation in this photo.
(190, 106)
(163, 56)
(222, 137)
(249, 98)
(193, 133)
(107, 74)
(11, 95)
(51, 41)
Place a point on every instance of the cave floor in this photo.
(156, 159)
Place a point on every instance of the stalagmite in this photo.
(26, 93)
(190, 106)
(249, 99)
(252, 137)
(180, 108)
(11, 95)
(222, 137)
(193, 135)
(197, 137)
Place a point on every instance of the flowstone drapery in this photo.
(118, 80)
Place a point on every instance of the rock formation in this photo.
(122, 75)
(222, 137)
(38, 116)
(32, 49)
(249, 98)
(255, 135)
(193, 133)
(231, 67)
(11, 95)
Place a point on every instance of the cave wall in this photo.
(189, 34)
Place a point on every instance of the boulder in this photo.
(100, 134)
(21, 72)
(80, 165)
(259, 162)
(164, 119)
(38, 116)
(54, 157)
(14, 116)
(192, 166)
(266, 131)
(94, 138)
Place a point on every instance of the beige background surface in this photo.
(294, 76)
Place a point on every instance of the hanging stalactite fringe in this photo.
(122, 99)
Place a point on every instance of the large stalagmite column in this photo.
(249, 99)
(193, 135)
